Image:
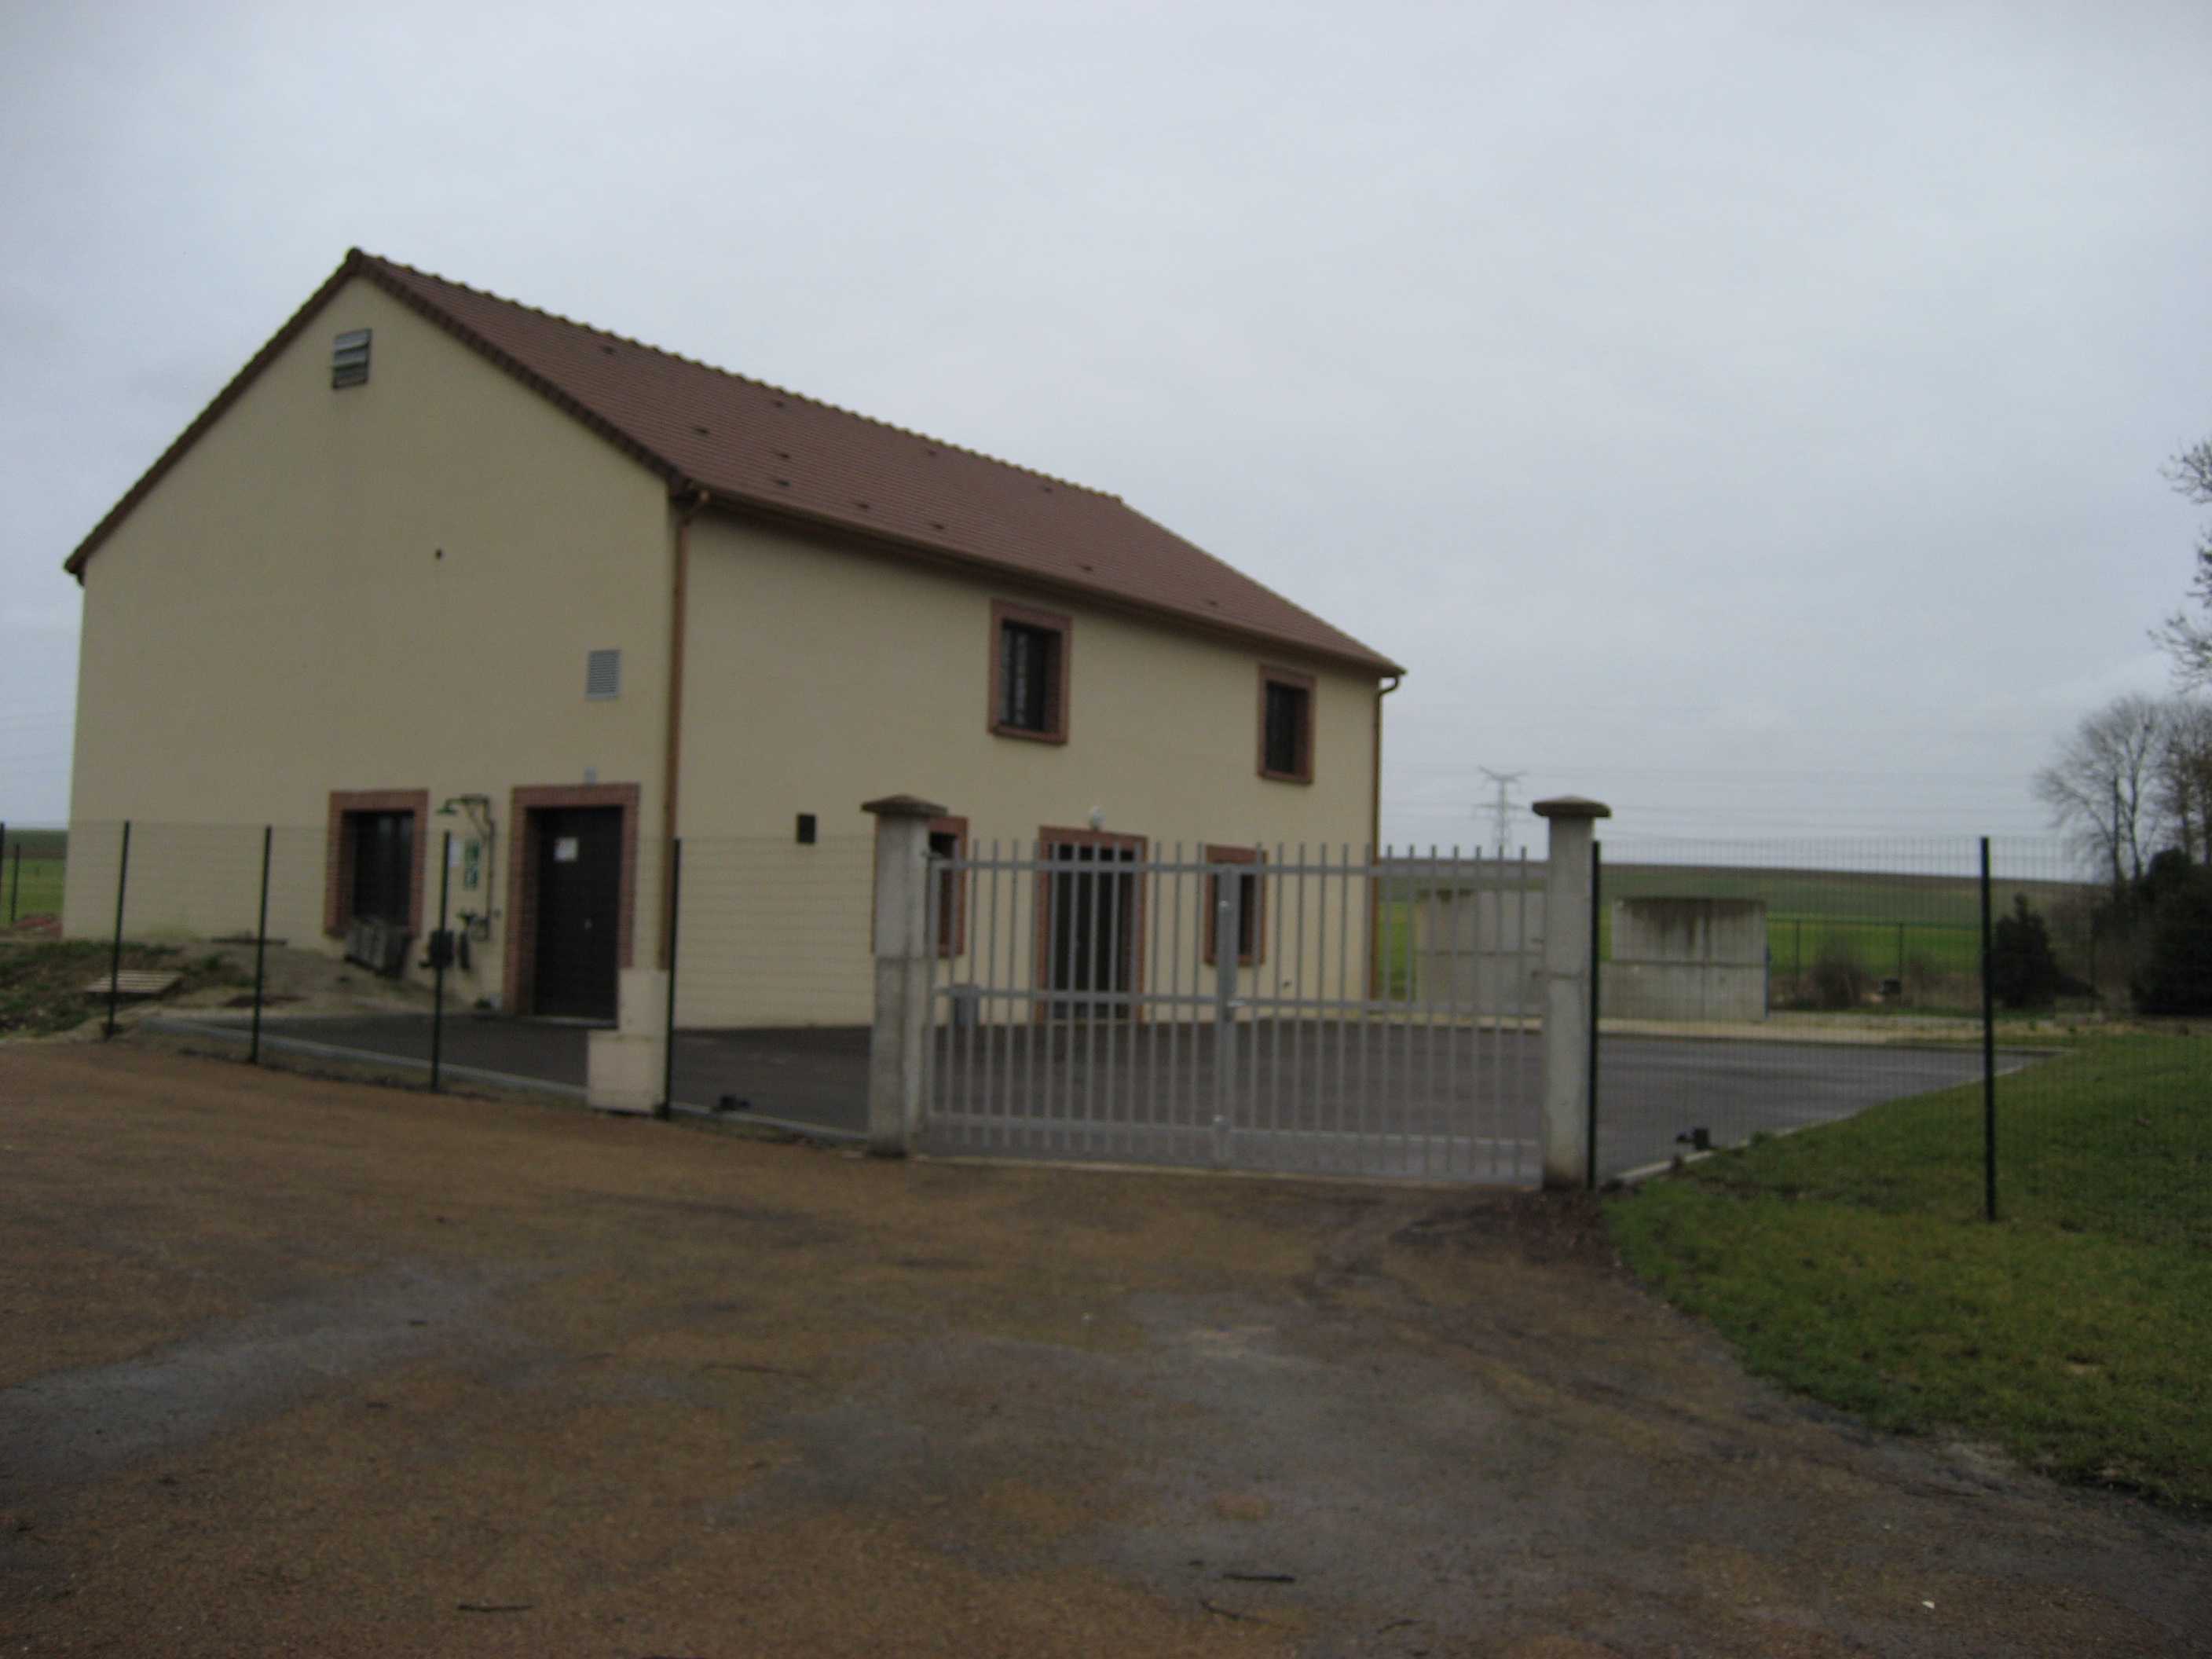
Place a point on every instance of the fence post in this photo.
(668, 1027)
(115, 957)
(1570, 1015)
(260, 946)
(15, 891)
(441, 946)
(1597, 1000)
(1227, 898)
(901, 1028)
(1988, 1055)
(3, 871)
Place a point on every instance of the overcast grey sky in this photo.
(1747, 414)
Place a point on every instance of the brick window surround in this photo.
(1051, 840)
(1257, 926)
(952, 910)
(525, 804)
(1297, 682)
(951, 941)
(1002, 612)
(337, 852)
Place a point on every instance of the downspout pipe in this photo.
(687, 507)
(1375, 840)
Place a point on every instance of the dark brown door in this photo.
(579, 910)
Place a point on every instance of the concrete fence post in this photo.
(902, 971)
(1568, 915)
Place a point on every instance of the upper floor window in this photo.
(1286, 705)
(1029, 672)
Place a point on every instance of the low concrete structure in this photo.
(1687, 958)
(626, 1070)
(1477, 948)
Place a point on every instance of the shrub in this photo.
(2023, 971)
(2176, 973)
(1836, 979)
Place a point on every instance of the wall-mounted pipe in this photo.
(672, 762)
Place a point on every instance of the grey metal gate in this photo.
(1240, 1008)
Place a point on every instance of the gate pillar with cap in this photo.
(897, 1041)
(1570, 1013)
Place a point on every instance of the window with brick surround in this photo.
(382, 854)
(1029, 672)
(1286, 721)
(948, 839)
(1251, 904)
(374, 859)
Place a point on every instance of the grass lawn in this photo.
(44, 855)
(1850, 1262)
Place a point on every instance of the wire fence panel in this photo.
(273, 939)
(32, 858)
(775, 979)
(1288, 1009)
(1749, 988)
(2112, 979)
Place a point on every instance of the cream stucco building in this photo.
(435, 560)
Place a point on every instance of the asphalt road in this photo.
(1391, 1099)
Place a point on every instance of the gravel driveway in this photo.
(296, 1366)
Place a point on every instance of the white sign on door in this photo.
(564, 849)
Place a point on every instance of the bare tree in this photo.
(2184, 777)
(2186, 639)
(2104, 788)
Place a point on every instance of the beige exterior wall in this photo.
(817, 677)
(274, 622)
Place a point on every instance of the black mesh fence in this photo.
(1747, 990)
(2047, 1072)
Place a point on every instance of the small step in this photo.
(134, 982)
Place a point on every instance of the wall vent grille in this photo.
(349, 359)
(602, 675)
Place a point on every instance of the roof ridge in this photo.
(743, 379)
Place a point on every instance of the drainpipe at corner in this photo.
(1375, 840)
(671, 763)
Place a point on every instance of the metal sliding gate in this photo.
(1237, 1008)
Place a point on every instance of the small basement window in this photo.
(602, 675)
(1285, 726)
(1029, 672)
(349, 359)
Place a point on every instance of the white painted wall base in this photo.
(622, 1072)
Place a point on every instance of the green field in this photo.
(45, 855)
(1851, 1262)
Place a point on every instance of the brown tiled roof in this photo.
(754, 446)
